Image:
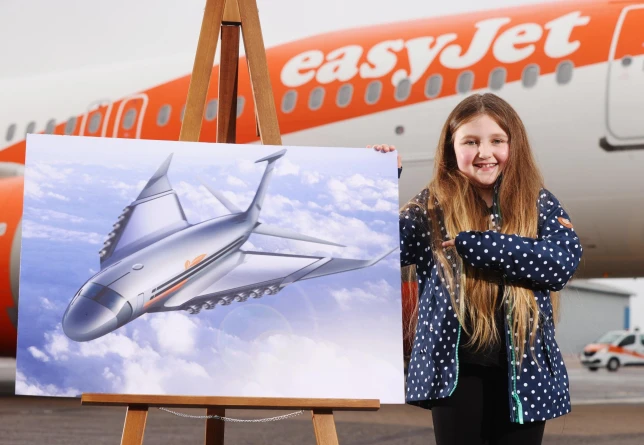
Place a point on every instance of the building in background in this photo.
(588, 310)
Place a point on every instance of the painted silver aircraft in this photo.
(155, 261)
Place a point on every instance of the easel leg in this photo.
(215, 427)
(134, 425)
(324, 427)
(259, 76)
(228, 73)
(200, 79)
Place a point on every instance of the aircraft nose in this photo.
(86, 320)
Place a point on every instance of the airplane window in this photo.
(373, 92)
(128, 120)
(344, 95)
(10, 132)
(211, 110)
(289, 100)
(70, 126)
(433, 86)
(240, 105)
(403, 89)
(94, 122)
(111, 300)
(30, 128)
(50, 127)
(316, 98)
(642, 339)
(164, 115)
(497, 78)
(530, 75)
(91, 290)
(564, 72)
(465, 82)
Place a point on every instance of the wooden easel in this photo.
(228, 16)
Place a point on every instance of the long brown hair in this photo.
(460, 208)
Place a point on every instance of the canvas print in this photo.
(159, 267)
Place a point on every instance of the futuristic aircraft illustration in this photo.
(155, 261)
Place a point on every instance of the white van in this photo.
(614, 349)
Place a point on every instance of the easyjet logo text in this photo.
(512, 45)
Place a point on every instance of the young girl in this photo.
(491, 248)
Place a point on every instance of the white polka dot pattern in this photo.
(544, 264)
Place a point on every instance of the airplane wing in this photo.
(155, 214)
(261, 273)
(279, 232)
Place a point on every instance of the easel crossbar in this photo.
(263, 403)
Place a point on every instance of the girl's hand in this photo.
(384, 148)
(449, 243)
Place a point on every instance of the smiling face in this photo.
(481, 148)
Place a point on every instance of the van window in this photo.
(628, 340)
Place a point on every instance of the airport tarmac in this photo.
(608, 408)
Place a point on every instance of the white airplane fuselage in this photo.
(146, 279)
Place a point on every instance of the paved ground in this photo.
(63, 421)
(617, 420)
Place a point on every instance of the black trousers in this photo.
(478, 412)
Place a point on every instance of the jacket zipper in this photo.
(515, 396)
(458, 340)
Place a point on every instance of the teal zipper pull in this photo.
(519, 407)
(514, 375)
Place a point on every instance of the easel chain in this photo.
(230, 419)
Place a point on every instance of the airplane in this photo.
(140, 273)
(572, 69)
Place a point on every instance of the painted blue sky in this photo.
(341, 331)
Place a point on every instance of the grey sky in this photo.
(41, 36)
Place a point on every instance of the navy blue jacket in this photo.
(536, 392)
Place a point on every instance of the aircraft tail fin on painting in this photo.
(256, 206)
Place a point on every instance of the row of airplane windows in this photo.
(432, 88)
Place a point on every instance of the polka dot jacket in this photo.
(538, 391)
